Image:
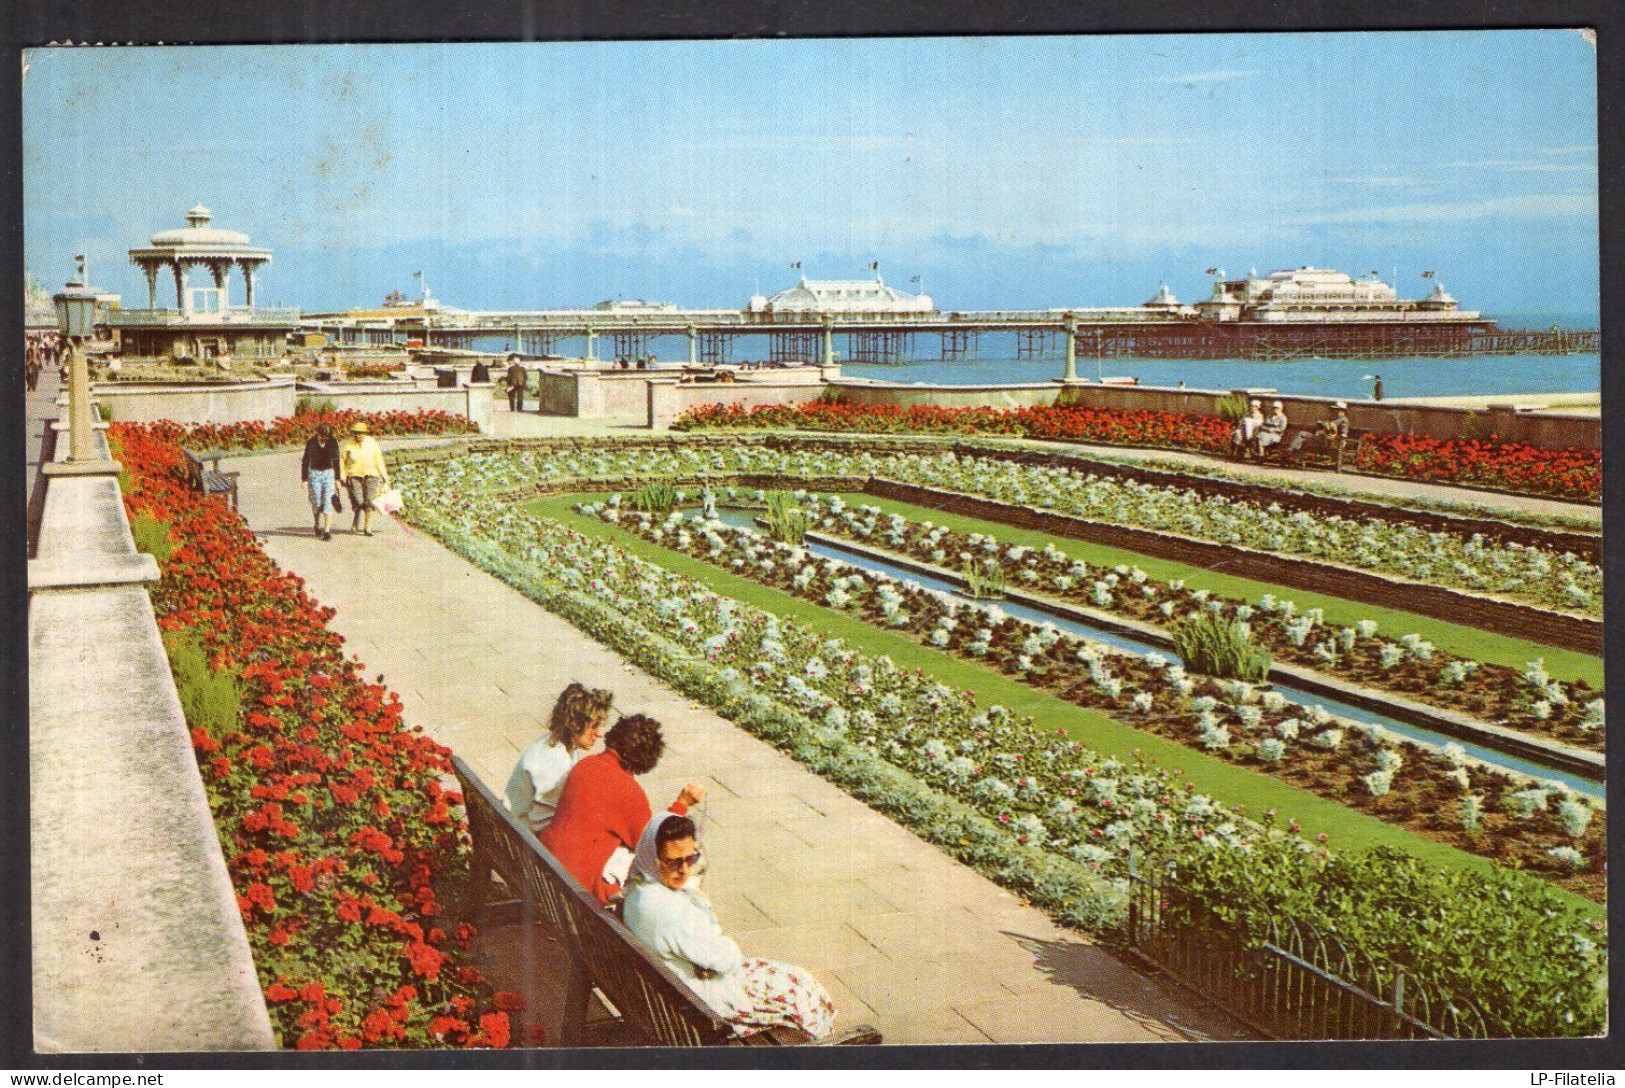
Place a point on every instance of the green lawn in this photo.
(1233, 785)
(1450, 637)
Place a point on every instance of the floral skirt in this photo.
(783, 994)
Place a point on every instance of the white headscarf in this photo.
(646, 859)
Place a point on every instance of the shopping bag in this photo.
(338, 503)
(390, 501)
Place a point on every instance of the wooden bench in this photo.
(211, 481)
(599, 956)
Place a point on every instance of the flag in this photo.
(417, 275)
(1212, 272)
(797, 265)
(874, 267)
(1427, 275)
(914, 279)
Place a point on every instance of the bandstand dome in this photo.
(199, 245)
(200, 233)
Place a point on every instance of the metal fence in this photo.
(1296, 984)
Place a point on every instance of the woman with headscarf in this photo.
(675, 921)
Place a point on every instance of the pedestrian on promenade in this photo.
(674, 920)
(1376, 388)
(516, 380)
(365, 476)
(602, 810)
(538, 778)
(319, 472)
(480, 374)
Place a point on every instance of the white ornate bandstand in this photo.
(202, 246)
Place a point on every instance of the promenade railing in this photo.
(1295, 983)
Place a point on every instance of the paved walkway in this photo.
(38, 408)
(903, 936)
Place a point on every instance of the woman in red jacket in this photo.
(602, 810)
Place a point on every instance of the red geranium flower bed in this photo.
(336, 825)
(1573, 475)
(296, 429)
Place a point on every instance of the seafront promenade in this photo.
(903, 936)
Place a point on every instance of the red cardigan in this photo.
(601, 807)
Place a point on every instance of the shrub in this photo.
(211, 698)
(1211, 644)
(985, 579)
(152, 536)
(310, 405)
(655, 498)
(785, 520)
(1230, 408)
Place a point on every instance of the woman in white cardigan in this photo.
(675, 922)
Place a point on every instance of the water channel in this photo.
(1071, 625)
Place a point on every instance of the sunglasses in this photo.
(681, 863)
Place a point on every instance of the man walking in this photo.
(516, 380)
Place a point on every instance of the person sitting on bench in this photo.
(538, 778)
(675, 921)
(602, 809)
(1272, 430)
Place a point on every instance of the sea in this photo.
(1493, 375)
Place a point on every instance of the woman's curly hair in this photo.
(577, 708)
(637, 740)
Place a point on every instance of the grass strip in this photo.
(1470, 642)
(1233, 785)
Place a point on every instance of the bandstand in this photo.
(203, 323)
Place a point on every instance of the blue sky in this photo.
(1005, 171)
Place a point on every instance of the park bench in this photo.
(211, 481)
(599, 957)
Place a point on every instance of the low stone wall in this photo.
(472, 401)
(137, 942)
(1503, 617)
(276, 398)
(198, 402)
(949, 396)
(1544, 430)
(1538, 429)
(669, 399)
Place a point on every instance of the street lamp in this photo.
(76, 319)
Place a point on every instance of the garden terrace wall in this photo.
(1503, 617)
(471, 401)
(1583, 544)
(199, 402)
(1543, 431)
(668, 399)
(138, 945)
(950, 396)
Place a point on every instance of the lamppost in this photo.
(76, 318)
(1071, 374)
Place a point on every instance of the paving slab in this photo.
(903, 935)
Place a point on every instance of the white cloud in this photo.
(1511, 207)
(1522, 165)
(1216, 75)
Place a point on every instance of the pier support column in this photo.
(1071, 374)
(829, 343)
(592, 344)
(693, 343)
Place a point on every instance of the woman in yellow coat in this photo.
(365, 476)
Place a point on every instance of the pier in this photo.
(898, 337)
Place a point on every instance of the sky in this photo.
(1005, 172)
